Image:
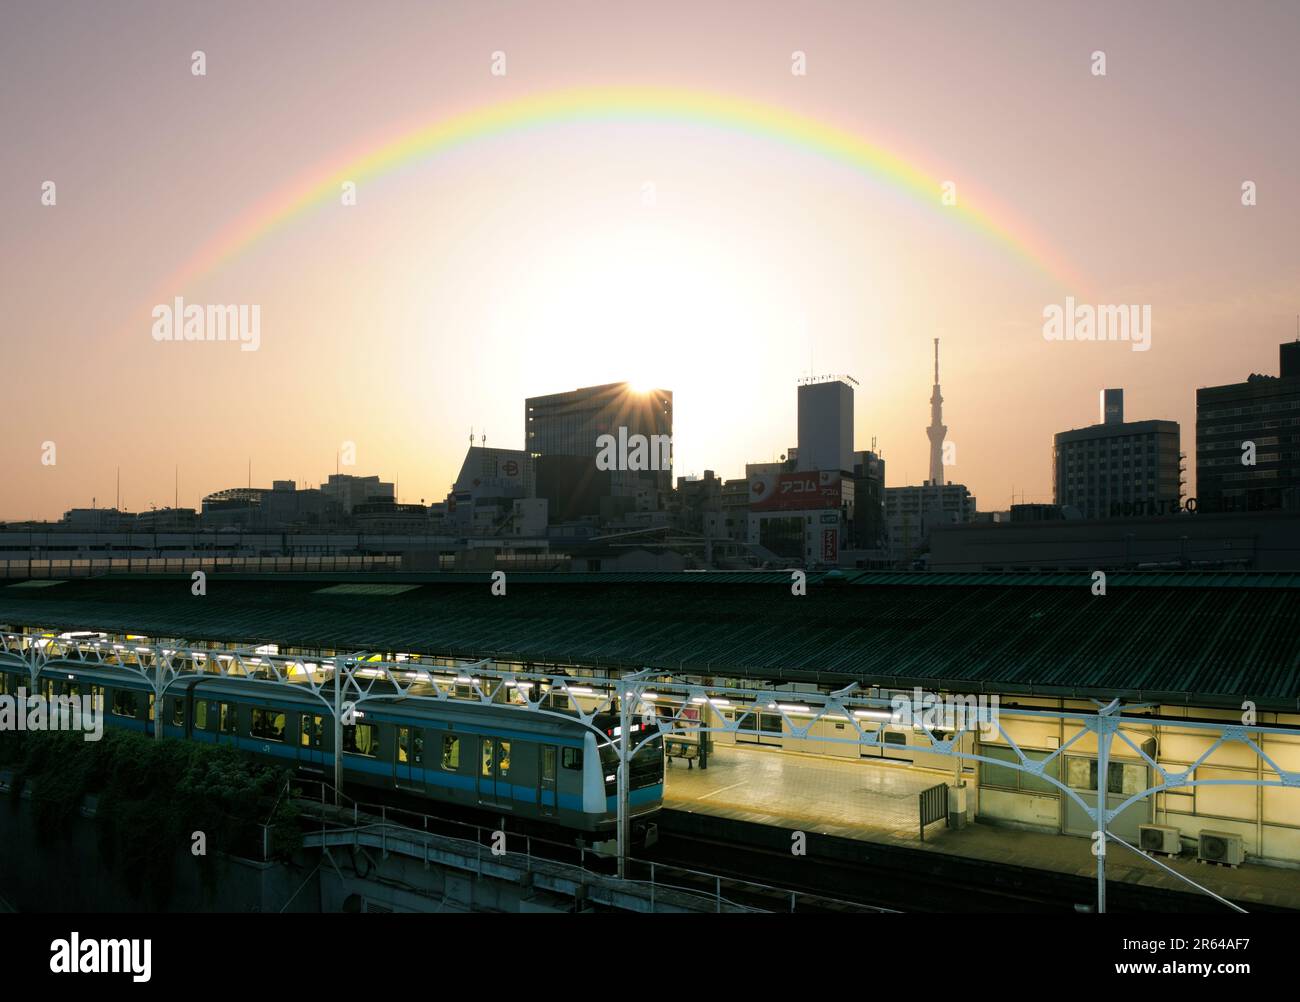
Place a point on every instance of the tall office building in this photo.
(563, 432)
(826, 424)
(1261, 415)
(868, 531)
(1118, 467)
(801, 509)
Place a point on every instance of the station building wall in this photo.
(1267, 818)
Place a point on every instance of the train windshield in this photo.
(647, 766)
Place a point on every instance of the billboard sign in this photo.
(830, 545)
(794, 491)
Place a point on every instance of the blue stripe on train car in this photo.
(637, 798)
(456, 781)
(360, 763)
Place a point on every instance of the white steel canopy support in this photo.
(672, 703)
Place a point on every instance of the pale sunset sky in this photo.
(675, 248)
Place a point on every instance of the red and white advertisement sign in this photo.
(794, 491)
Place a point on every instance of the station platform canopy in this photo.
(1202, 639)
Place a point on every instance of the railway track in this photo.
(899, 879)
(728, 858)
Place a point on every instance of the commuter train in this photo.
(541, 767)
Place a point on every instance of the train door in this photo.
(494, 772)
(227, 723)
(548, 761)
(311, 740)
(408, 758)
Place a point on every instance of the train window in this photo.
(312, 730)
(229, 718)
(410, 746)
(4, 683)
(548, 764)
(361, 739)
(503, 759)
(894, 738)
(178, 712)
(201, 715)
(267, 725)
(450, 753)
(486, 748)
(572, 758)
(151, 697)
(124, 703)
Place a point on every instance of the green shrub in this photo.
(153, 795)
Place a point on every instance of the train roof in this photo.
(1201, 638)
(271, 694)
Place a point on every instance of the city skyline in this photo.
(684, 210)
(479, 440)
(589, 457)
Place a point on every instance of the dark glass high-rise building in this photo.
(563, 429)
(868, 529)
(1265, 411)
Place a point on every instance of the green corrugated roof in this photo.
(1220, 637)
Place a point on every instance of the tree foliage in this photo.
(152, 797)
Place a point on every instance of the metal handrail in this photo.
(655, 868)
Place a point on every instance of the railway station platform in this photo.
(851, 799)
(878, 803)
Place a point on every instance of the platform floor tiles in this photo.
(834, 797)
(878, 803)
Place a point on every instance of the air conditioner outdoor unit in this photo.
(1220, 847)
(1160, 838)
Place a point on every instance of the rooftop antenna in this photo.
(176, 488)
(117, 501)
